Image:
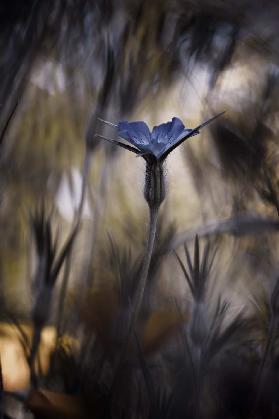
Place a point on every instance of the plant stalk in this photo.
(67, 268)
(153, 217)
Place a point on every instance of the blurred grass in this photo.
(145, 61)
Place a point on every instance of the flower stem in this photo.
(153, 217)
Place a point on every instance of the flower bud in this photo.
(155, 188)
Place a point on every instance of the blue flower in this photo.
(159, 142)
(156, 142)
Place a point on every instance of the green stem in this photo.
(153, 217)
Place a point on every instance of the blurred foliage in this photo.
(63, 64)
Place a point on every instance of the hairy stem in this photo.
(153, 217)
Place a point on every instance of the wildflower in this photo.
(159, 142)
(154, 146)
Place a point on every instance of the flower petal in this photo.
(136, 133)
(183, 134)
(176, 128)
(168, 132)
(187, 134)
(157, 149)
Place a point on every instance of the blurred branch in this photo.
(242, 225)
